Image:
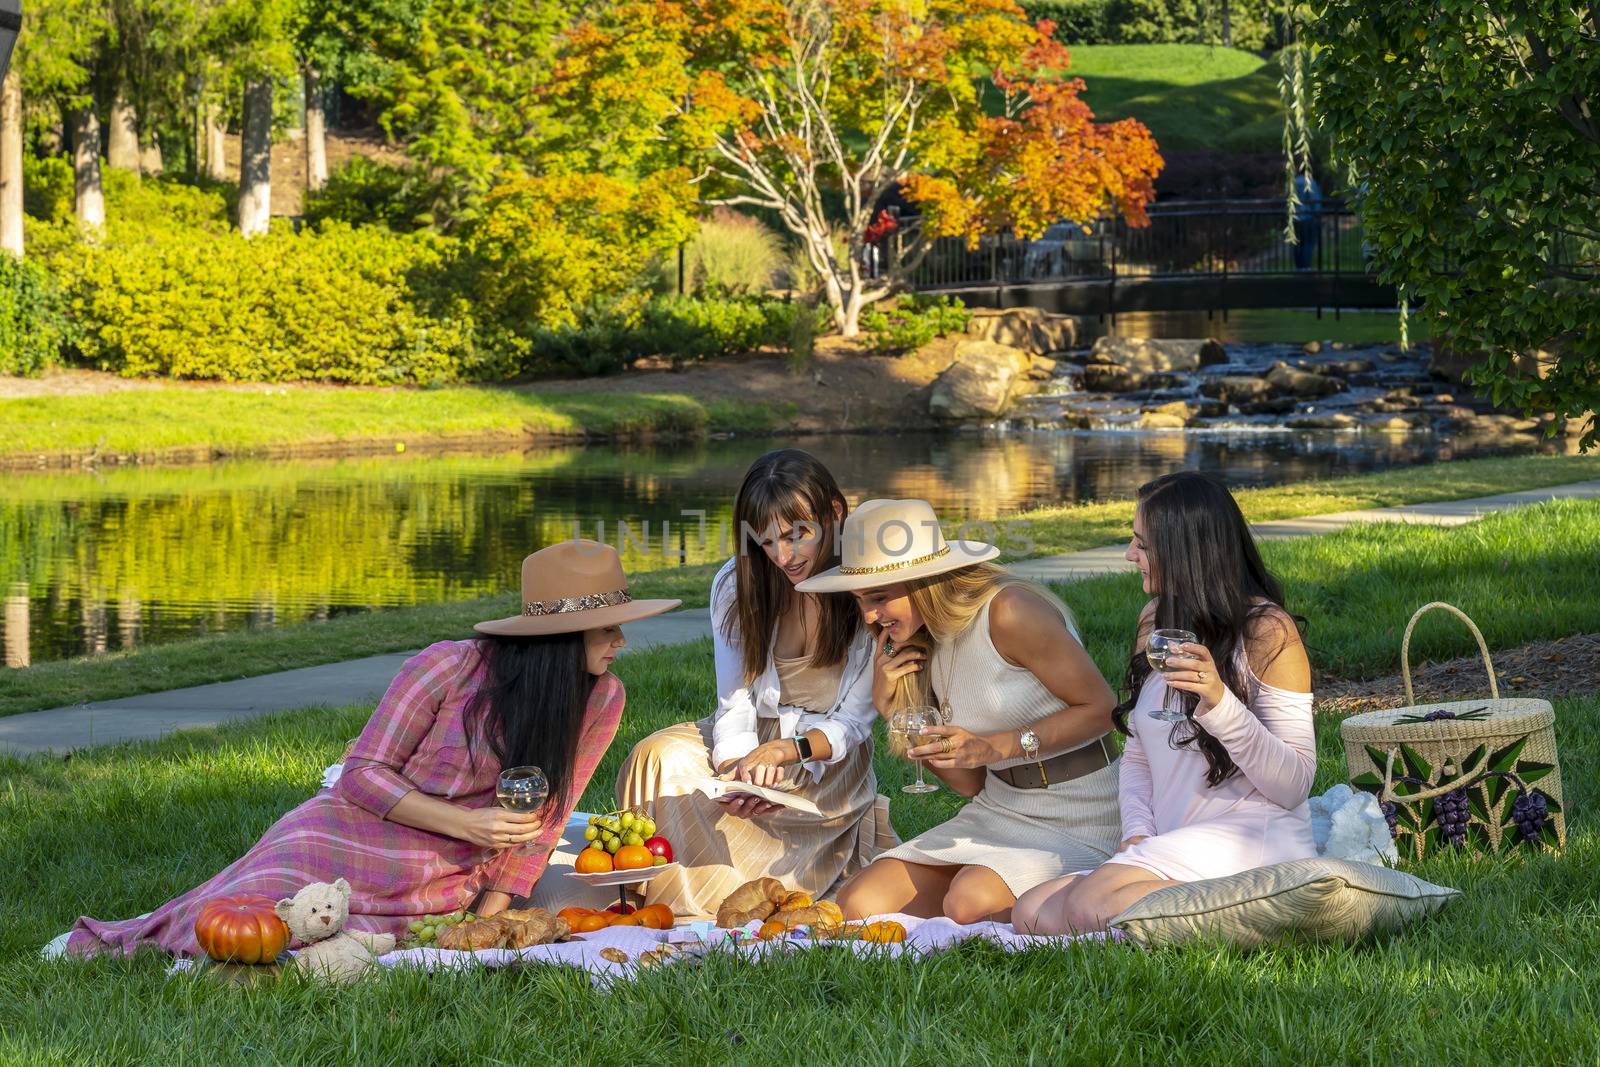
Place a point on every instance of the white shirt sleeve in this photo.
(1272, 741)
(733, 731)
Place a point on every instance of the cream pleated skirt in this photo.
(718, 852)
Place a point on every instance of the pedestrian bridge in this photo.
(1203, 255)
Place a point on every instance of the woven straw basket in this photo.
(1466, 778)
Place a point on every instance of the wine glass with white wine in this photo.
(522, 789)
(909, 725)
(1164, 643)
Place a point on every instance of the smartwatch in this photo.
(802, 745)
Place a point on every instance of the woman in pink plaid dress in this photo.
(412, 823)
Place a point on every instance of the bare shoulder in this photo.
(1023, 623)
(1276, 653)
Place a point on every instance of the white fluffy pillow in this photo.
(1318, 899)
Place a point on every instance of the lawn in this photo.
(176, 417)
(242, 654)
(1191, 96)
(1508, 967)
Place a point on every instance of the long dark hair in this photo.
(785, 484)
(531, 704)
(1209, 579)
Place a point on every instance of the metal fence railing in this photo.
(1184, 239)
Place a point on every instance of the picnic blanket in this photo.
(923, 936)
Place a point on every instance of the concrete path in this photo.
(154, 715)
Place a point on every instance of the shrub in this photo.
(365, 192)
(35, 331)
(913, 322)
(47, 189)
(1077, 21)
(335, 304)
(732, 253)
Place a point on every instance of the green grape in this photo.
(427, 934)
(416, 927)
(598, 844)
(627, 819)
(613, 845)
(633, 839)
(594, 820)
(659, 861)
(590, 833)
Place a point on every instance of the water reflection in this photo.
(93, 562)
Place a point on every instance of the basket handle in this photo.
(1426, 794)
(1405, 647)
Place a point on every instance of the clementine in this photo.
(632, 857)
(572, 915)
(625, 920)
(595, 861)
(588, 924)
(656, 916)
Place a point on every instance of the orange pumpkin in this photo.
(241, 929)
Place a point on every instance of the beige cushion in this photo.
(1317, 899)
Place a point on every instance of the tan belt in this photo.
(1057, 769)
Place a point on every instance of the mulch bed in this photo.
(1568, 667)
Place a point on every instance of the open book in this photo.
(716, 788)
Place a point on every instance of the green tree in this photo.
(1471, 135)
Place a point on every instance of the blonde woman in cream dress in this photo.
(1028, 718)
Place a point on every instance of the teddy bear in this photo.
(316, 917)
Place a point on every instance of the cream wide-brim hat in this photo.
(572, 586)
(889, 541)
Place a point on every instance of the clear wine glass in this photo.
(909, 725)
(522, 789)
(1164, 643)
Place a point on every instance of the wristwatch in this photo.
(1030, 744)
(802, 745)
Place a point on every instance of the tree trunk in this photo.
(11, 164)
(89, 201)
(255, 159)
(122, 137)
(216, 167)
(316, 132)
(1227, 26)
(150, 158)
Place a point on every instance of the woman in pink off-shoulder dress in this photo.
(1223, 788)
(412, 823)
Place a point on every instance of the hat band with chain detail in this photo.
(882, 568)
(577, 603)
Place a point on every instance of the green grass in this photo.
(177, 417)
(243, 654)
(1191, 96)
(116, 831)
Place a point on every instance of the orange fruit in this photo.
(572, 915)
(632, 857)
(656, 916)
(596, 860)
(588, 924)
(625, 920)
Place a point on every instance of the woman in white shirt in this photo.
(794, 711)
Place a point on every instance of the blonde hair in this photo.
(949, 604)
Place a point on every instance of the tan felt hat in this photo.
(889, 541)
(571, 586)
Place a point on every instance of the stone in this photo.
(1336, 421)
(1031, 329)
(1443, 398)
(1177, 409)
(1388, 423)
(1212, 409)
(1233, 388)
(1272, 405)
(1145, 356)
(1108, 378)
(1165, 381)
(1311, 348)
(1156, 420)
(1344, 368)
(1044, 363)
(981, 382)
(1287, 381)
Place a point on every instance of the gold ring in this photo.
(948, 744)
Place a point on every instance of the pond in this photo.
(91, 562)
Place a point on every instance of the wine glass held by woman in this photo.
(1222, 786)
(413, 822)
(1026, 717)
(794, 711)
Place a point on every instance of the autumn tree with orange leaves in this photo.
(816, 108)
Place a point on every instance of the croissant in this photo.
(472, 936)
(823, 917)
(541, 929)
(751, 901)
(795, 901)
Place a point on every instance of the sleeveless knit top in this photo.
(986, 693)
